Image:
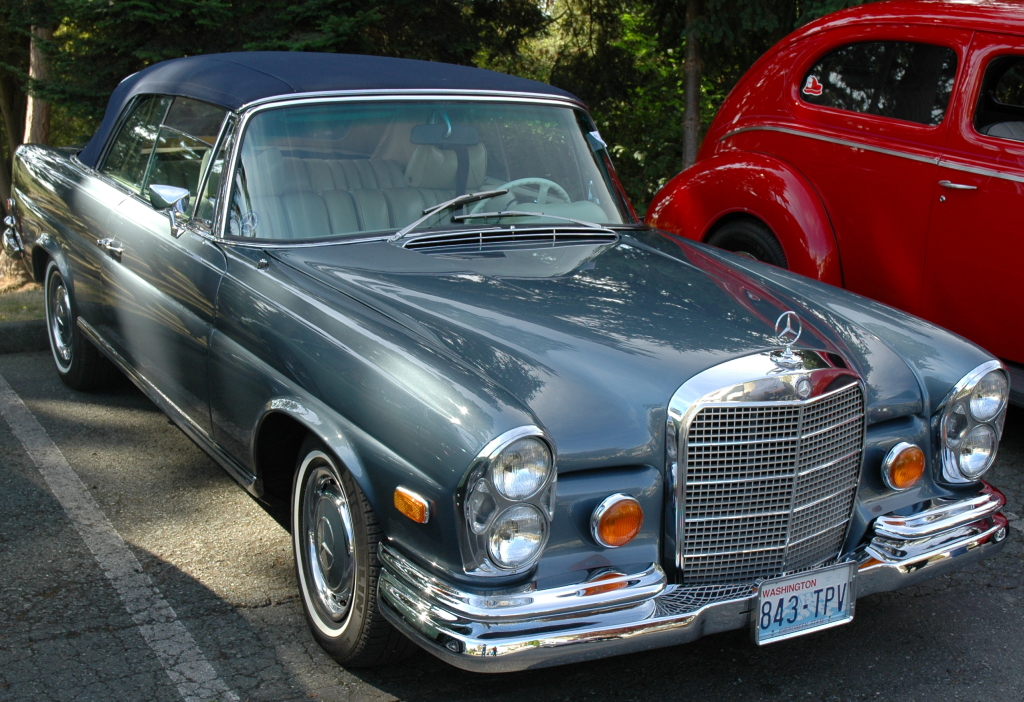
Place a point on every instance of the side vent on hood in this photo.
(501, 239)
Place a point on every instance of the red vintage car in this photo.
(880, 149)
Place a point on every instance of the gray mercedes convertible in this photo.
(410, 304)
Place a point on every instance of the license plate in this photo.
(800, 604)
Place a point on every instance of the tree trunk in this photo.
(692, 70)
(37, 112)
(12, 126)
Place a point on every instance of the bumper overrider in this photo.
(612, 614)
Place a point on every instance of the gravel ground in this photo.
(225, 567)
(22, 306)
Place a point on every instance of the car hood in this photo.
(594, 339)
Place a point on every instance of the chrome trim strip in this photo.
(834, 140)
(412, 94)
(833, 427)
(977, 170)
(818, 467)
(937, 160)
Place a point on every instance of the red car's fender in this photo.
(762, 187)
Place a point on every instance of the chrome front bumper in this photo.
(528, 628)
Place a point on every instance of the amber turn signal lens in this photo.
(903, 466)
(414, 506)
(616, 521)
(596, 589)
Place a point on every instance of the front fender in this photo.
(761, 186)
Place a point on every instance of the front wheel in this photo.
(335, 535)
(79, 363)
(751, 239)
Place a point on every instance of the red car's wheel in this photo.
(749, 238)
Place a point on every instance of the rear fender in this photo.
(44, 248)
(694, 202)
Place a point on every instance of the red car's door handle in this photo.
(956, 186)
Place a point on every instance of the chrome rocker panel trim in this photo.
(524, 629)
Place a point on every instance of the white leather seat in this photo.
(1006, 130)
(310, 198)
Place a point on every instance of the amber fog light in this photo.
(616, 521)
(903, 466)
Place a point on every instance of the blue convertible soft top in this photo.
(233, 80)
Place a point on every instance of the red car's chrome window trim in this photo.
(834, 140)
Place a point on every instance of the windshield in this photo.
(337, 169)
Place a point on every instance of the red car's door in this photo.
(976, 237)
(869, 105)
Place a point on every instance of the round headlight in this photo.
(989, 396)
(522, 468)
(517, 536)
(977, 451)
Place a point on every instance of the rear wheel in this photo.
(79, 363)
(335, 535)
(746, 237)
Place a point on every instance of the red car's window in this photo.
(1000, 111)
(902, 80)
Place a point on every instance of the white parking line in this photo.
(173, 645)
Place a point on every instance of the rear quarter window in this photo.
(1000, 110)
(902, 80)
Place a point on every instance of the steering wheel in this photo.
(544, 185)
(499, 202)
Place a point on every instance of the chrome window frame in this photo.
(250, 110)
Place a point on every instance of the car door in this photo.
(92, 205)
(164, 280)
(869, 105)
(976, 238)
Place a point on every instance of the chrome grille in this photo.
(769, 489)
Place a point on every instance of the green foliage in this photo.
(98, 43)
(623, 57)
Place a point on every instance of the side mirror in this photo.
(167, 196)
(171, 199)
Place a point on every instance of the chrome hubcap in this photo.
(61, 329)
(329, 544)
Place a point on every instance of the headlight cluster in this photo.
(507, 501)
(972, 422)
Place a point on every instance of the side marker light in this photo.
(414, 506)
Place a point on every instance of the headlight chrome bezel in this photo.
(474, 542)
(956, 407)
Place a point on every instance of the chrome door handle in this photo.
(112, 247)
(956, 186)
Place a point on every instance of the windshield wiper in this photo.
(519, 213)
(446, 205)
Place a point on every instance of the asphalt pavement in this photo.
(133, 568)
